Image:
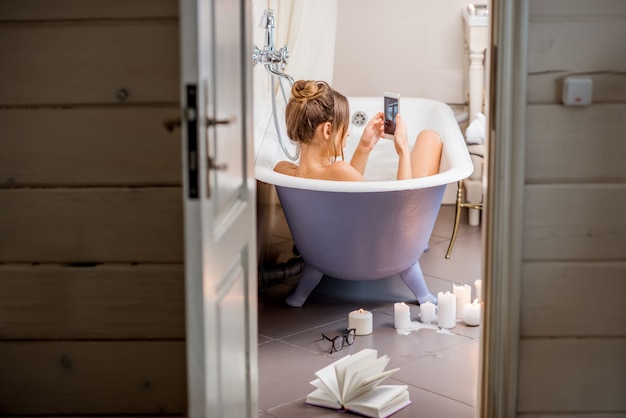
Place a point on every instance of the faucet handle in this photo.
(283, 57)
(256, 55)
(284, 53)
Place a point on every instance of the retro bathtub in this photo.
(375, 229)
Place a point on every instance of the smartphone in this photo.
(392, 107)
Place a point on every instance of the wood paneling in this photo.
(568, 375)
(573, 299)
(89, 146)
(101, 302)
(91, 225)
(608, 87)
(115, 377)
(89, 63)
(576, 37)
(571, 355)
(574, 222)
(575, 144)
(569, 9)
(583, 44)
(28, 10)
(92, 310)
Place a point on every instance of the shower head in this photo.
(267, 20)
(268, 23)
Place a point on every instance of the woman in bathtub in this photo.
(317, 118)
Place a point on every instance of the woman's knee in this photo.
(426, 154)
(428, 136)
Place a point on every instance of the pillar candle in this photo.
(463, 293)
(472, 313)
(401, 315)
(478, 285)
(447, 310)
(427, 312)
(362, 321)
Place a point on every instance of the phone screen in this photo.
(391, 110)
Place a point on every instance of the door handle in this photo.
(217, 167)
(171, 124)
(213, 122)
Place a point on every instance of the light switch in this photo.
(577, 91)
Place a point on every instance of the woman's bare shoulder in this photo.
(285, 167)
(343, 171)
(338, 171)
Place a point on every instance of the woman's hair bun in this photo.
(305, 90)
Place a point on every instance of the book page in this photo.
(357, 375)
(361, 359)
(369, 384)
(381, 401)
(328, 377)
(320, 397)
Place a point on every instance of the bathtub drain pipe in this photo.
(281, 271)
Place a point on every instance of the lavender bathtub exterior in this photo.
(368, 230)
(361, 236)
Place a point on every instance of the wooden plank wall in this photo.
(91, 230)
(573, 333)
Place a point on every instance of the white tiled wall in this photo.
(413, 47)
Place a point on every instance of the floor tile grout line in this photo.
(305, 330)
(302, 398)
(433, 392)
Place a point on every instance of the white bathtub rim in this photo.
(450, 176)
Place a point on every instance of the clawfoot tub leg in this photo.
(414, 279)
(309, 278)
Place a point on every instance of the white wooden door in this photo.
(219, 195)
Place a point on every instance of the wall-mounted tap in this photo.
(274, 60)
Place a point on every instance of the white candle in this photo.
(401, 315)
(427, 312)
(463, 293)
(472, 313)
(362, 321)
(478, 285)
(447, 310)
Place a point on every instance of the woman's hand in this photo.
(400, 139)
(374, 130)
(401, 143)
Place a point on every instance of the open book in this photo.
(352, 383)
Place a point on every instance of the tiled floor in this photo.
(440, 369)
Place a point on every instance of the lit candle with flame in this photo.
(362, 321)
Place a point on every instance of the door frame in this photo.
(503, 220)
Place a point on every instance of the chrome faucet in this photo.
(273, 59)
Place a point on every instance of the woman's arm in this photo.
(374, 130)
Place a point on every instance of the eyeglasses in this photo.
(346, 338)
